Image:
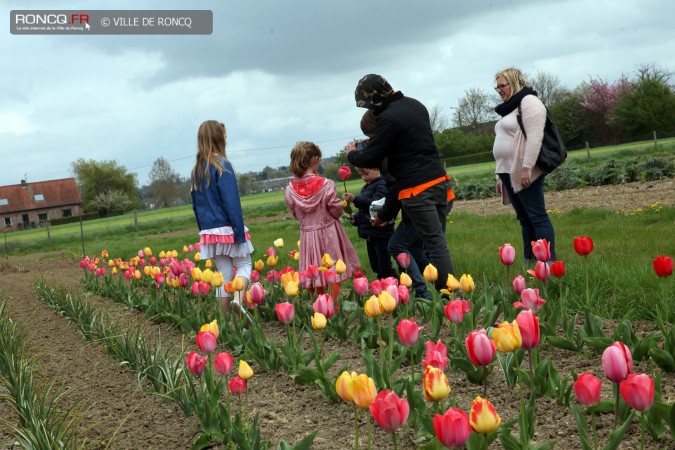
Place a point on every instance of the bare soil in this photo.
(116, 409)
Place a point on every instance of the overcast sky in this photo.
(279, 71)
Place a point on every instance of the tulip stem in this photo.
(323, 340)
(485, 381)
(393, 436)
(588, 294)
(529, 360)
(356, 427)
(642, 431)
(615, 388)
(391, 348)
(595, 430)
(412, 367)
(369, 433)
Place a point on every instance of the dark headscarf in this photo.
(371, 91)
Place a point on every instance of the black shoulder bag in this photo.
(553, 152)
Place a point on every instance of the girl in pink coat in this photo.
(313, 201)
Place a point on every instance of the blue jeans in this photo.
(406, 240)
(531, 212)
(428, 213)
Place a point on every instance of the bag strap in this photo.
(520, 121)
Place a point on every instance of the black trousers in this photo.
(378, 255)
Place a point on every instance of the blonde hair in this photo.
(211, 142)
(301, 157)
(514, 77)
(368, 123)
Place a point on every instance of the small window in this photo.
(8, 221)
(39, 197)
(4, 201)
(43, 217)
(67, 213)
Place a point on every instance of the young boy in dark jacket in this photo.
(377, 238)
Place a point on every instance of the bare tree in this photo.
(163, 182)
(474, 108)
(652, 72)
(549, 87)
(439, 121)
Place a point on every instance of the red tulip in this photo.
(583, 245)
(617, 361)
(480, 348)
(507, 254)
(329, 276)
(528, 323)
(361, 285)
(344, 173)
(196, 363)
(403, 294)
(456, 309)
(558, 269)
(519, 284)
(257, 293)
(530, 300)
(389, 411)
(376, 287)
(206, 341)
(452, 428)
(403, 259)
(255, 276)
(408, 332)
(237, 385)
(638, 391)
(285, 312)
(436, 356)
(389, 281)
(313, 272)
(587, 389)
(663, 266)
(324, 304)
(541, 250)
(541, 271)
(223, 363)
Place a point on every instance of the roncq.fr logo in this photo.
(51, 19)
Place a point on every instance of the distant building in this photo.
(274, 184)
(27, 205)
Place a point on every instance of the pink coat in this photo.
(314, 203)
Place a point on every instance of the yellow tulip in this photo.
(279, 243)
(197, 274)
(292, 289)
(452, 283)
(111, 263)
(272, 260)
(259, 265)
(212, 327)
(147, 251)
(289, 276)
(162, 254)
(507, 337)
(147, 270)
(174, 253)
(483, 418)
(156, 270)
(114, 271)
(326, 261)
(207, 274)
(296, 256)
(372, 307)
(197, 257)
(245, 371)
(175, 282)
(435, 383)
(362, 391)
(137, 275)
(342, 385)
(466, 283)
(430, 273)
(208, 264)
(340, 267)
(405, 280)
(387, 302)
(298, 245)
(318, 321)
(185, 249)
(238, 284)
(217, 279)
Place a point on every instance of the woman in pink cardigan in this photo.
(516, 157)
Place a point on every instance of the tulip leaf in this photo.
(598, 344)
(592, 325)
(671, 420)
(605, 406)
(433, 444)
(508, 441)
(565, 344)
(582, 428)
(644, 345)
(663, 359)
(304, 444)
(617, 435)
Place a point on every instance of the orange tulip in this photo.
(342, 385)
(362, 391)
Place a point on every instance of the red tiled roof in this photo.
(21, 197)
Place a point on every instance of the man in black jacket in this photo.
(404, 137)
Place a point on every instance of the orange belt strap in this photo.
(417, 190)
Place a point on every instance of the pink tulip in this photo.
(175, 268)
(361, 285)
(194, 288)
(206, 341)
(183, 279)
(271, 276)
(271, 251)
(480, 348)
(403, 295)
(324, 304)
(456, 309)
(638, 391)
(541, 271)
(528, 323)
(140, 253)
(255, 276)
(393, 291)
(389, 411)
(153, 261)
(160, 278)
(196, 363)
(285, 312)
(403, 259)
(376, 287)
(519, 284)
(330, 276)
(204, 288)
(507, 254)
(389, 281)
(541, 250)
(408, 332)
(587, 389)
(344, 173)
(223, 363)
(257, 293)
(452, 428)
(313, 272)
(237, 385)
(617, 361)
(436, 356)
(530, 300)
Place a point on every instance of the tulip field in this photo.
(127, 348)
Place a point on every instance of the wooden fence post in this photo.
(656, 144)
(588, 150)
(136, 219)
